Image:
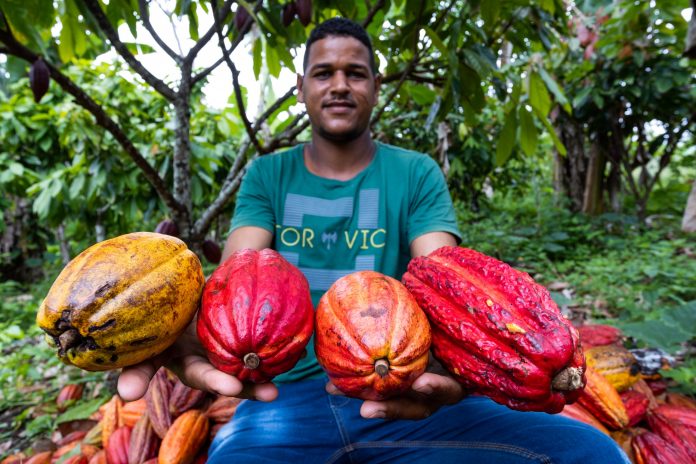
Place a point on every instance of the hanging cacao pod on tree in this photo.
(167, 227)
(304, 11)
(212, 251)
(39, 78)
(371, 337)
(241, 18)
(289, 12)
(497, 331)
(122, 301)
(256, 315)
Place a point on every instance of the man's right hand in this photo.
(187, 359)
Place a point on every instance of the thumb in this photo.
(134, 380)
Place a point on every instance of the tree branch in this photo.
(101, 117)
(145, 17)
(391, 97)
(112, 35)
(226, 9)
(271, 109)
(202, 75)
(371, 14)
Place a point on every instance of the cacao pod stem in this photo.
(568, 379)
(68, 339)
(382, 367)
(251, 360)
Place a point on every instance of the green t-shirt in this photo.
(330, 228)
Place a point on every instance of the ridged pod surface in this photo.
(577, 412)
(371, 337)
(256, 316)
(650, 448)
(602, 400)
(497, 331)
(184, 439)
(122, 301)
(616, 364)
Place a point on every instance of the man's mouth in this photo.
(339, 104)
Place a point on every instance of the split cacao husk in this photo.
(144, 442)
(371, 337)
(122, 301)
(636, 404)
(673, 432)
(68, 395)
(222, 409)
(185, 438)
(157, 399)
(111, 418)
(117, 448)
(650, 448)
(577, 412)
(602, 400)
(132, 411)
(616, 364)
(256, 316)
(39, 78)
(680, 414)
(167, 227)
(509, 340)
(184, 398)
(39, 458)
(599, 335)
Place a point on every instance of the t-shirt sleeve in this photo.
(430, 207)
(254, 205)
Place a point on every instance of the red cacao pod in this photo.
(577, 412)
(69, 393)
(675, 433)
(599, 335)
(636, 404)
(77, 435)
(40, 458)
(371, 337)
(98, 458)
(144, 442)
(212, 251)
(650, 448)
(117, 448)
(680, 414)
(78, 459)
(222, 409)
(168, 227)
(304, 11)
(289, 12)
(657, 386)
(642, 387)
(497, 331)
(39, 78)
(185, 438)
(602, 400)
(256, 315)
(184, 398)
(677, 399)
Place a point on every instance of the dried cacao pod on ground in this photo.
(371, 337)
(69, 393)
(599, 335)
(39, 78)
(122, 301)
(616, 364)
(184, 438)
(577, 412)
(167, 227)
(212, 251)
(650, 448)
(636, 404)
(602, 400)
(497, 331)
(256, 316)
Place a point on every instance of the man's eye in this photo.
(322, 74)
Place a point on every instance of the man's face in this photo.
(338, 88)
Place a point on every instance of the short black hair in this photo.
(340, 27)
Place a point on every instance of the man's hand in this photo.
(428, 393)
(187, 359)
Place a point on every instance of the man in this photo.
(338, 204)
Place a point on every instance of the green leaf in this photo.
(506, 139)
(273, 61)
(528, 132)
(538, 95)
(657, 333)
(552, 133)
(257, 52)
(81, 411)
(66, 47)
(490, 9)
(555, 90)
(437, 41)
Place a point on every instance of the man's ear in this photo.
(300, 93)
(378, 85)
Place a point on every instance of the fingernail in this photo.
(425, 389)
(377, 414)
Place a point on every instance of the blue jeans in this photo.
(305, 425)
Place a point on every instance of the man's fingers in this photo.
(134, 380)
(401, 408)
(438, 388)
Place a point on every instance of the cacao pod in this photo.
(642, 387)
(99, 458)
(117, 448)
(184, 398)
(256, 315)
(157, 399)
(167, 227)
(40, 458)
(222, 409)
(616, 364)
(624, 438)
(59, 454)
(577, 412)
(650, 448)
(289, 12)
(677, 399)
(241, 19)
(212, 251)
(68, 395)
(497, 331)
(636, 404)
(679, 414)
(304, 11)
(39, 78)
(599, 335)
(657, 386)
(77, 435)
(78, 459)
(144, 442)
(94, 435)
(111, 418)
(651, 360)
(673, 432)
(132, 411)
(371, 337)
(185, 438)
(602, 400)
(122, 301)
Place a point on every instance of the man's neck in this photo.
(339, 161)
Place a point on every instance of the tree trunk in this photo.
(689, 219)
(570, 171)
(592, 202)
(64, 245)
(690, 49)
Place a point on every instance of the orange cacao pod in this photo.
(17, 458)
(117, 448)
(184, 398)
(222, 409)
(577, 412)
(157, 400)
(256, 315)
(98, 458)
(78, 459)
(602, 400)
(40, 458)
(598, 335)
(185, 438)
(122, 301)
(144, 442)
(111, 413)
(636, 404)
(371, 337)
(673, 432)
(509, 340)
(616, 364)
(680, 414)
(63, 450)
(650, 448)
(69, 393)
(132, 411)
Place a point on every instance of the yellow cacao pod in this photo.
(616, 364)
(122, 301)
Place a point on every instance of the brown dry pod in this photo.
(184, 438)
(39, 78)
(304, 11)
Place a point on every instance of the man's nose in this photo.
(339, 83)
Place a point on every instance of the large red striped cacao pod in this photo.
(679, 414)
(122, 301)
(650, 448)
(371, 337)
(256, 316)
(497, 331)
(672, 431)
(599, 335)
